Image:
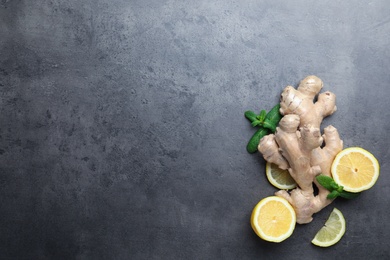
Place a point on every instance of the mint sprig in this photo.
(266, 124)
(335, 189)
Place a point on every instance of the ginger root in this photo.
(298, 145)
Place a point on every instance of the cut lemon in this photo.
(355, 169)
(273, 219)
(279, 178)
(332, 231)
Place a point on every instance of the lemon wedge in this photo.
(279, 178)
(332, 231)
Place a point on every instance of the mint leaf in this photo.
(334, 194)
(326, 182)
(250, 115)
(262, 115)
(348, 195)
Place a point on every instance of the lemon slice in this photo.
(279, 178)
(355, 169)
(332, 231)
(273, 219)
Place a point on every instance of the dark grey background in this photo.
(122, 129)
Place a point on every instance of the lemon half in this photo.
(279, 178)
(273, 219)
(355, 169)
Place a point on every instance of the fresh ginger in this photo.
(298, 145)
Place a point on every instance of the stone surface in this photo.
(122, 133)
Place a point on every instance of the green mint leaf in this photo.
(255, 139)
(256, 123)
(325, 182)
(251, 116)
(269, 125)
(262, 115)
(334, 194)
(348, 195)
(274, 115)
(335, 186)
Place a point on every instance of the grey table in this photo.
(122, 129)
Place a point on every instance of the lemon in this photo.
(355, 169)
(279, 178)
(273, 219)
(332, 231)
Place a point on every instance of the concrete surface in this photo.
(122, 129)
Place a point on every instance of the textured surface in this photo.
(122, 133)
